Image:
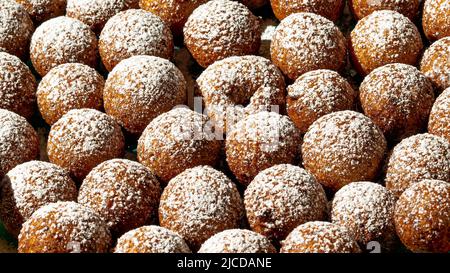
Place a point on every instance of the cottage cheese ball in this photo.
(220, 29)
(94, 13)
(343, 147)
(318, 93)
(62, 40)
(199, 203)
(173, 12)
(123, 192)
(82, 139)
(64, 227)
(151, 239)
(439, 123)
(69, 86)
(282, 197)
(366, 209)
(436, 19)
(237, 241)
(141, 88)
(398, 98)
(419, 157)
(19, 141)
(29, 186)
(422, 217)
(382, 38)
(134, 32)
(260, 141)
(304, 42)
(330, 9)
(16, 29)
(435, 64)
(319, 237)
(235, 87)
(178, 140)
(43, 10)
(17, 86)
(362, 8)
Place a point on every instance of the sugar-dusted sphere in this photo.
(363, 8)
(439, 123)
(435, 64)
(43, 10)
(330, 9)
(436, 19)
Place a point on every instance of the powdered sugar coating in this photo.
(199, 203)
(64, 227)
(237, 241)
(362, 8)
(123, 192)
(422, 216)
(306, 41)
(330, 9)
(343, 147)
(435, 64)
(238, 86)
(220, 29)
(43, 10)
(384, 37)
(17, 86)
(419, 157)
(18, 141)
(436, 19)
(439, 123)
(260, 141)
(62, 40)
(317, 93)
(398, 98)
(151, 239)
(29, 186)
(366, 209)
(16, 28)
(177, 140)
(140, 88)
(282, 197)
(134, 32)
(82, 139)
(319, 237)
(69, 86)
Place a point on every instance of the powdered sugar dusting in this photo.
(94, 13)
(439, 123)
(435, 63)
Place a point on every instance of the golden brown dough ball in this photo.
(330, 9)
(19, 141)
(43, 10)
(69, 86)
(422, 217)
(64, 227)
(151, 239)
(134, 32)
(382, 38)
(260, 141)
(176, 141)
(220, 29)
(29, 186)
(439, 123)
(436, 19)
(237, 241)
(141, 88)
(17, 86)
(62, 40)
(343, 147)
(418, 157)
(435, 64)
(123, 192)
(82, 139)
(16, 29)
(304, 42)
(318, 93)
(362, 8)
(282, 197)
(398, 98)
(319, 237)
(199, 203)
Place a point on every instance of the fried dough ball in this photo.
(220, 29)
(382, 38)
(422, 216)
(436, 19)
(439, 123)
(43, 10)
(306, 41)
(330, 9)
(363, 8)
(435, 64)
